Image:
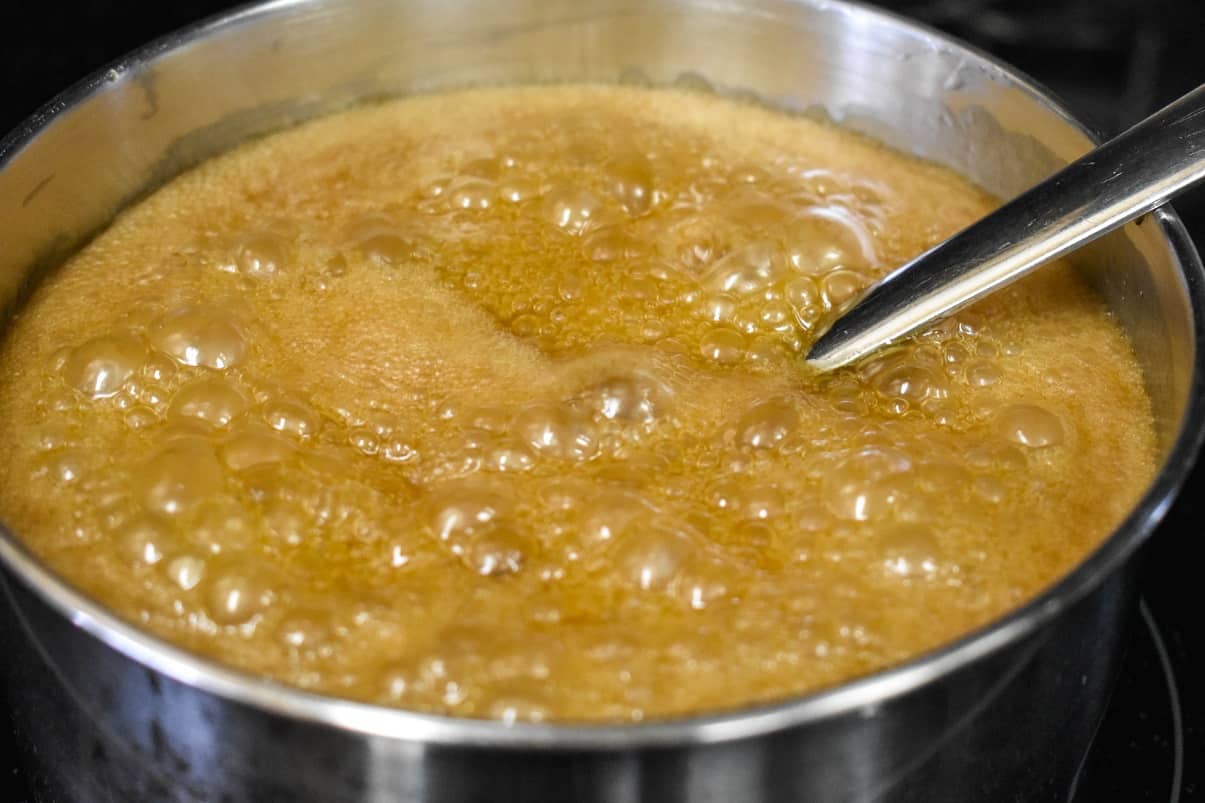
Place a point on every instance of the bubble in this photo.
(776, 317)
(470, 193)
(608, 513)
(146, 539)
(99, 367)
(631, 182)
(840, 287)
(862, 487)
(910, 550)
(609, 244)
(703, 581)
(186, 571)
(723, 345)
(956, 354)
(233, 596)
(291, 418)
(286, 522)
(220, 524)
(508, 456)
(474, 523)
(904, 380)
(825, 238)
(571, 209)
(158, 368)
(382, 241)
(631, 399)
(652, 556)
(726, 495)
(66, 466)
(1030, 425)
(983, 374)
(557, 431)
(309, 630)
(803, 294)
(719, 308)
(497, 552)
(260, 255)
(517, 189)
(200, 336)
(179, 477)
(942, 477)
(767, 424)
(762, 502)
(252, 447)
(398, 450)
(364, 441)
(757, 211)
(213, 401)
(748, 270)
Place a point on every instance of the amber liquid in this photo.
(492, 404)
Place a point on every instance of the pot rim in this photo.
(860, 697)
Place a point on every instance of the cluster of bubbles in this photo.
(646, 275)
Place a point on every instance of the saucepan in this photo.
(1006, 713)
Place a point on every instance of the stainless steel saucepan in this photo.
(1006, 713)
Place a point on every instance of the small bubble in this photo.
(65, 467)
(767, 424)
(99, 367)
(557, 431)
(910, 550)
(254, 447)
(213, 401)
(364, 441)
(571, 209)
(180, 476)
(863, 486)
(983, 374)
(651, 557)
(1030, 425)
(723, 345)
(748, 270)
(517, 189)
(200, 336)
(260, 255)
(145, 539)
(609, 244)
(397, 450)
(840, 287)
(186, 571)
(763, 502)
(470, 193)
(291, 418)
(233, 596)
(631, 182)
(380, 240)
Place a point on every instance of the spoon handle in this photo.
(1123, 179)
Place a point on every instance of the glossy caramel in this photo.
(491, 403)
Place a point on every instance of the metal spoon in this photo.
(1121, 180)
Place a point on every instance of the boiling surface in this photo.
(493, 404)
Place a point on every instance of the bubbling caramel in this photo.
(492, 404)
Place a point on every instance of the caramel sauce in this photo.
(492, 404)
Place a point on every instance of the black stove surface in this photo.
(1113, 62)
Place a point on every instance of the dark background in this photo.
(1112, 61)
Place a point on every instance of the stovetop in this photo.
(1113, 62)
